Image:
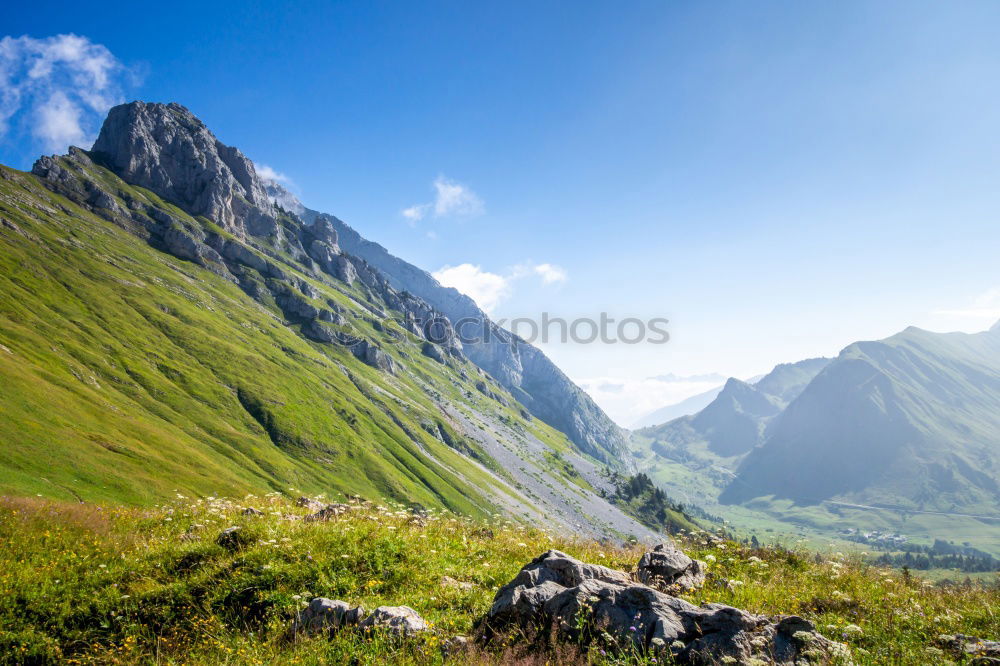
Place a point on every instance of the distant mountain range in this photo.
(691, 405)
(736, 418)
(912, 420)
(909, 425)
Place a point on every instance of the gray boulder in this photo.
(233, 538)
(327, 512)
(309, 503)
(558, 597)
(399, 620)
(344, 270)
(373, 356)
(431, 350)
(327, 615)
(294, 305)
(959, 645)
(667, 568)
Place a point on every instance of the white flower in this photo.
(853, 630)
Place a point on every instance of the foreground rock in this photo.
(327, 615)
(400, 620)
(330, 616)
(327, 512)
(668, 569)
(557, 596)
(980, 650)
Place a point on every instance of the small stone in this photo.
(327, 615)
(448, 581)
(399, 620)
(232, 538)
(327, 512)
(454, 645)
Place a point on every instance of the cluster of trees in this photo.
(942, 555)
(640, 497)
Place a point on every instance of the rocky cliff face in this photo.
(166, 149)
(519, 366)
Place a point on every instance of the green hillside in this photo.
(129, 373)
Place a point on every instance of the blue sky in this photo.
(778, 179)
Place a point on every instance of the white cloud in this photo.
(268, 173)
(58, 122)
(489, 289)
(455, 199)
(451, 199)
(59, 87)
(416, 213)
(551, 273)
(983, 311)
(280, 188)
(485, 288)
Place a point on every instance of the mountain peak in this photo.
(167, 149)
(995, 328)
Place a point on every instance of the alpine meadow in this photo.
(238, 429)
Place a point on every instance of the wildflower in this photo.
(632, 628)
(852, 631)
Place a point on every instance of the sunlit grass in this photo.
(93, 584)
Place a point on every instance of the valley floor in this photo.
(86, 583)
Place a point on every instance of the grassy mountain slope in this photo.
(129, 373)
(520, 367)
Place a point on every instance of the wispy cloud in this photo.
(59, 88)
(489, 289)
(281, 188)
(983, 309)
(550, 273)
(451, 199)
(268, 173)
(628, 399)
(416, 213)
